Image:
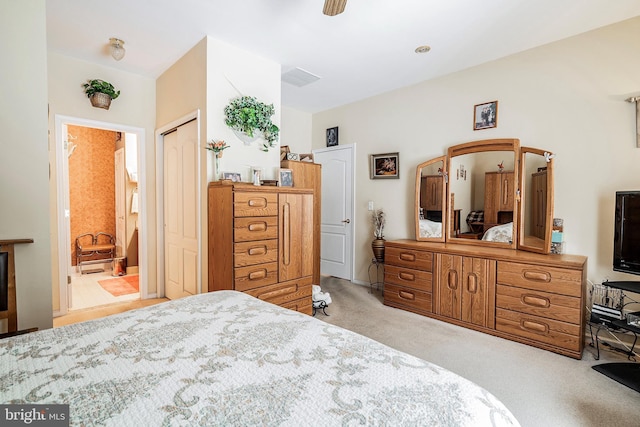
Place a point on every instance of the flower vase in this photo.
(218, 175)
(377, 245)
(211, 172)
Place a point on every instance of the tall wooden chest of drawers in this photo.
(257, 241)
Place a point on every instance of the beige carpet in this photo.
(540, 388)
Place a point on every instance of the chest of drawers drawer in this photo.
(255, 252)
(407, 297)
(293, 292)
(543, 304)
(255, 276)
(255, 228)
(255, 204)
(417, 260)
(408, 277)
(548, 331)
(542, 278)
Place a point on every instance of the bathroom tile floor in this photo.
(86, 292)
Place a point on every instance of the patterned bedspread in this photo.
(228, 359)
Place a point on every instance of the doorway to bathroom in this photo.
(99, 245)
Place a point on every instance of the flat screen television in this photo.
(626, 240)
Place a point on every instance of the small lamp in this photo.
(117, 48)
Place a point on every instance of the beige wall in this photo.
(205, 80)
(135, 107)
(24, 161)
(567, 97)
(296, 130)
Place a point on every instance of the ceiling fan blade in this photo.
(334, 7)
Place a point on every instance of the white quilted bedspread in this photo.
(228, 359)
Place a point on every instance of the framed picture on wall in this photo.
(332, 137)
(485, 115)
(384, 166)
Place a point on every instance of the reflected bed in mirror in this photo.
(430, 209)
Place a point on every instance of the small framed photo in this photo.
(286, 178)
(485, 115)
(384, 166)
(233, 176)
(332, 137)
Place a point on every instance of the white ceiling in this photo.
(367, 50)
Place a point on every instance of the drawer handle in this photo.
(407, 257)
(258, 250)
(258, 226)
(536, 301)
(537, 276)
(407, 276)
(258, 203)
(277, 292)
(534, 326)
(472, 283)
(406, 295)
(257, 275)
(452, 280)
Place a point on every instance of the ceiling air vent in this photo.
(299, 77)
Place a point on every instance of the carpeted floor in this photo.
(540, 388)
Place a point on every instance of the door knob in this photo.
(346, 220)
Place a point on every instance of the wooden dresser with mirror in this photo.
(481, 258)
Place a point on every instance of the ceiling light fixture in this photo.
(334, 7)
(117, 48)
(423, 49)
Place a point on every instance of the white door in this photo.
(336, 229)
(181, 211)
(121, 226)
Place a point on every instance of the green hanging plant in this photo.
(246, 114)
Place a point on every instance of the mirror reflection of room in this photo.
(431, 200)
(483, 185)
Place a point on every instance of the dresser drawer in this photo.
(543, 278)
(408, 297)
(553, 332)
(255, 228)
(255, 252)
(304, 306)
(255, 204)
(418, 260)
(285, 292)
(255, 276)
(544, 304)
(407, 277)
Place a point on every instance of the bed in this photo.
(227, 358)
(499, 233)
(430, 228)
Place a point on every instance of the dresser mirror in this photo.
(430, 208)
(536, 170)
(482, 192)
(474, 194)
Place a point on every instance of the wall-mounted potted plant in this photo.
(252, 118)
(100, 93)
(377, 245)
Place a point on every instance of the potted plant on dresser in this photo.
(100, 93)
(377, 245)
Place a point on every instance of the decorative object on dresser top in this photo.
(225, 358)
(262, 241)
(484, 283)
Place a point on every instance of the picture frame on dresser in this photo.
(286, 177)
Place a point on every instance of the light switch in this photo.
(370, 205)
